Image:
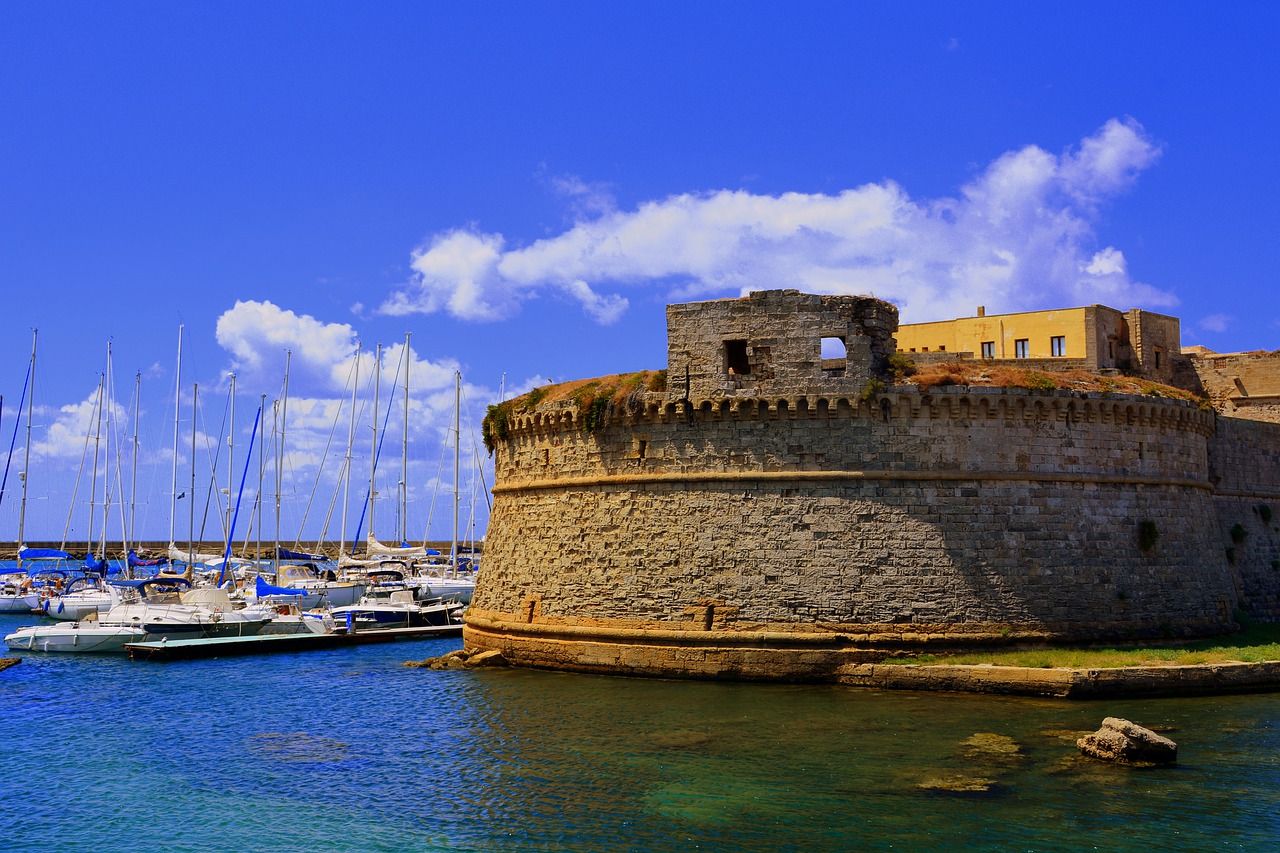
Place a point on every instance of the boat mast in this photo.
(26, 451)
(231, 449)
(373, 450)
(457, 443)
(404, 452)
(107, 414)
(262, 473)
(351, 437)
(173, 485)
(191, 524)
(284, 416)
(133, 486)
(93, 483)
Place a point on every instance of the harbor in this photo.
(346, 747)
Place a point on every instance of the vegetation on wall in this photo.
(980, 373)
(1148, 533)
(1238, 533)
(597, 401)
(901, 366)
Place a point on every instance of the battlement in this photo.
(772, 342)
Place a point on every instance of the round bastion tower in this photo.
(759, 511)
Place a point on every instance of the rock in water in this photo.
(1128, 743)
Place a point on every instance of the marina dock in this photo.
(169, 650)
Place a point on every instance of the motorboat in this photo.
(317, 590)
(398, 610)
(83, 637)
(288, 618)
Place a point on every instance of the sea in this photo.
(349, 749)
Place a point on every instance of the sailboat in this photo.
(17, 593)
(445, 580)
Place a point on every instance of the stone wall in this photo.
(1245, 470)
(954, 509)
(788, 518)
(771, 343)
(1243, 385)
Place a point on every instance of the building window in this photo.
(988, 349)
(1058, 346)
(1020, 348)
(1157, 358)
(735, 358)
(942, 349)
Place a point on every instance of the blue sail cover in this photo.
(43, 554)
(264, 589)
(286, 554)
(135, 560)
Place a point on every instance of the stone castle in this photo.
(765, 511)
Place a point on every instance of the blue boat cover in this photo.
(265, 589)
(139, 583)
(285, 554)
(43, 554)
(135, 560)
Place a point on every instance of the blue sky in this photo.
(523, 187)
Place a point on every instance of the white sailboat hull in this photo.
(74, 637)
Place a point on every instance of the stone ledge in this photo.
(1066, 683)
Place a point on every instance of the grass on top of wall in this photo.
(981, 373)
(1255, 643)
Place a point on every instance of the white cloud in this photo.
(1215, 322)
(1020, 236)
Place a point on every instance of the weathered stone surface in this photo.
(5, 663)
(1124, 742)
(774, 493)
(462, 659)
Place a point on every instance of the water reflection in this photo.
(346, 748)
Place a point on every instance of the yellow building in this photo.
(1093, 338)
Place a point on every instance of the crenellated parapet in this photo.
(906, 402)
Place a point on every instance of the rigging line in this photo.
(376, 455)
(17, 421)
(75, 490)
(342, 469)
(324, 457)
(211, 489)
(248, 457)
(431, 511)
(475, 454)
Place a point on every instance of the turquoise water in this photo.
(347, 749)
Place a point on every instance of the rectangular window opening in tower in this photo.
(736, 362)
(834, 353)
